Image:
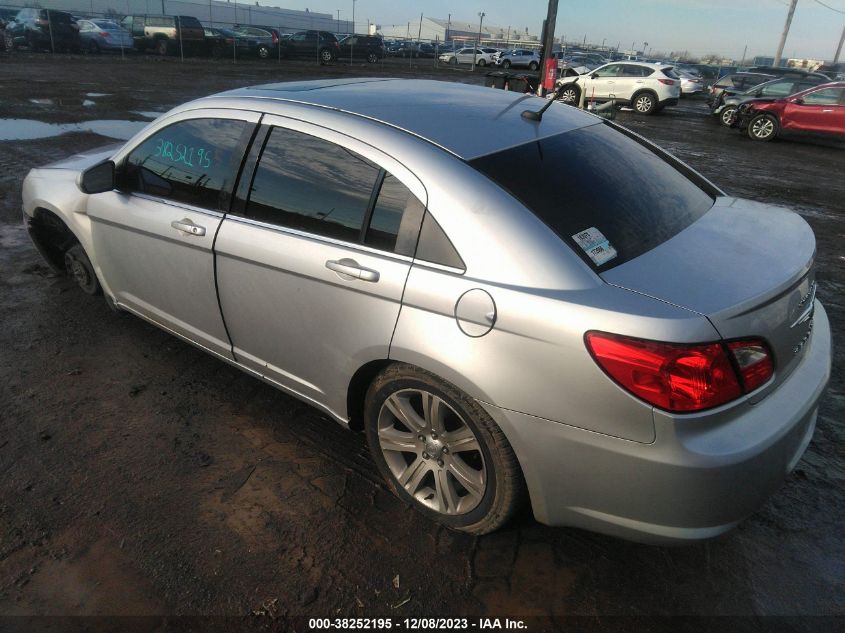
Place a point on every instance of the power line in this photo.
(827, 6)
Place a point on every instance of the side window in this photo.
(190, 162)
(396, 212)
(435, 247)
(779, 89)
(309, 184)
(828, 96)
(609, 71)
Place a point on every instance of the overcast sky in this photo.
(699, 26)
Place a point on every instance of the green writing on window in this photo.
(183, 154)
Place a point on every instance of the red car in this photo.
(818, 110)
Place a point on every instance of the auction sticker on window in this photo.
(596, 245)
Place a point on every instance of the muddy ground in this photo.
(139, 476)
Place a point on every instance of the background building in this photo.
(453, 29)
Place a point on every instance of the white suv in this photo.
(465, 55)
(646, 87)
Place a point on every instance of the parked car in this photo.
(166, 34)
(320, 45)
(648, 88)
(819, 111)
(727, 106)
(690, 84)
(519, 58)
(466, 56)
(221, 41)
(6, 16)
(104, 35)
(426, 50)
(635, 364)
(263, 41)
(369, 47)
(43, 29)
(735, 83)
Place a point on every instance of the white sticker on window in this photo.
(596, 245)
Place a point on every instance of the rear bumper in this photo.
(700, 477)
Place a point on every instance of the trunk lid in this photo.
(746, 266)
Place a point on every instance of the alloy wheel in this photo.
(727, 116)
(643, 104)
(432, 452)
(570, 95)
(762, 128)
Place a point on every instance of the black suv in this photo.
(369, 47)
(43, 29)
(161, 33)
(320, 45)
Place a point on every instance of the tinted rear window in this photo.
(599, 178)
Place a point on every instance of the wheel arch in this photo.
(52, 236)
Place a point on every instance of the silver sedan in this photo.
(513, 307)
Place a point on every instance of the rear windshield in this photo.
(607, 195)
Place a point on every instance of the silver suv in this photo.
(543, 308)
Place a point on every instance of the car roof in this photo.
(468, 121)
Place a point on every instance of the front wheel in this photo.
(9, 42)
(263, 52)
(326, 56)
(79, 268)
(763, 127)
(533, 66)
(645, 103)
(481, 63)
(440, 451)
(161, 47)
(570, 95)
(506, 63)
(454, 61)
(726, 116)
(372, 58)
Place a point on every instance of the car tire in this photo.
(463, 473)
(763, 127)
(481, 63)
(533, 66)
(453, 61)
(726, 116)
(9, 42)
(79, 268)
(506, 63)
(326, 56)
(372, 58)
(263, 52)
(570, 95)
(161, 47)
(644, 103)
(93, 48)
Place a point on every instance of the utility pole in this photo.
(448, 26)
(481, 15)
(547, 62)
(338, 20)
(352, 40)
(839, 48)
(744, 51)
(785, 32)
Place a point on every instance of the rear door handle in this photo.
(350, 267)
(186, 226)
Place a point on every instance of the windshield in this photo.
(599, 188)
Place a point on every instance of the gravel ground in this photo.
(139, 476)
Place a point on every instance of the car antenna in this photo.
(531, 115)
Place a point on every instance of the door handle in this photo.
(351, 268)
(186, 226)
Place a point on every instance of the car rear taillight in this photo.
(754, 362)
(104, 34)
(230, 40)
(275, 39)
(667, 82)
(681, 378)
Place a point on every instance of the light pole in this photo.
(352, 41)
(338, 20)
(481, 15)
(448, 26)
